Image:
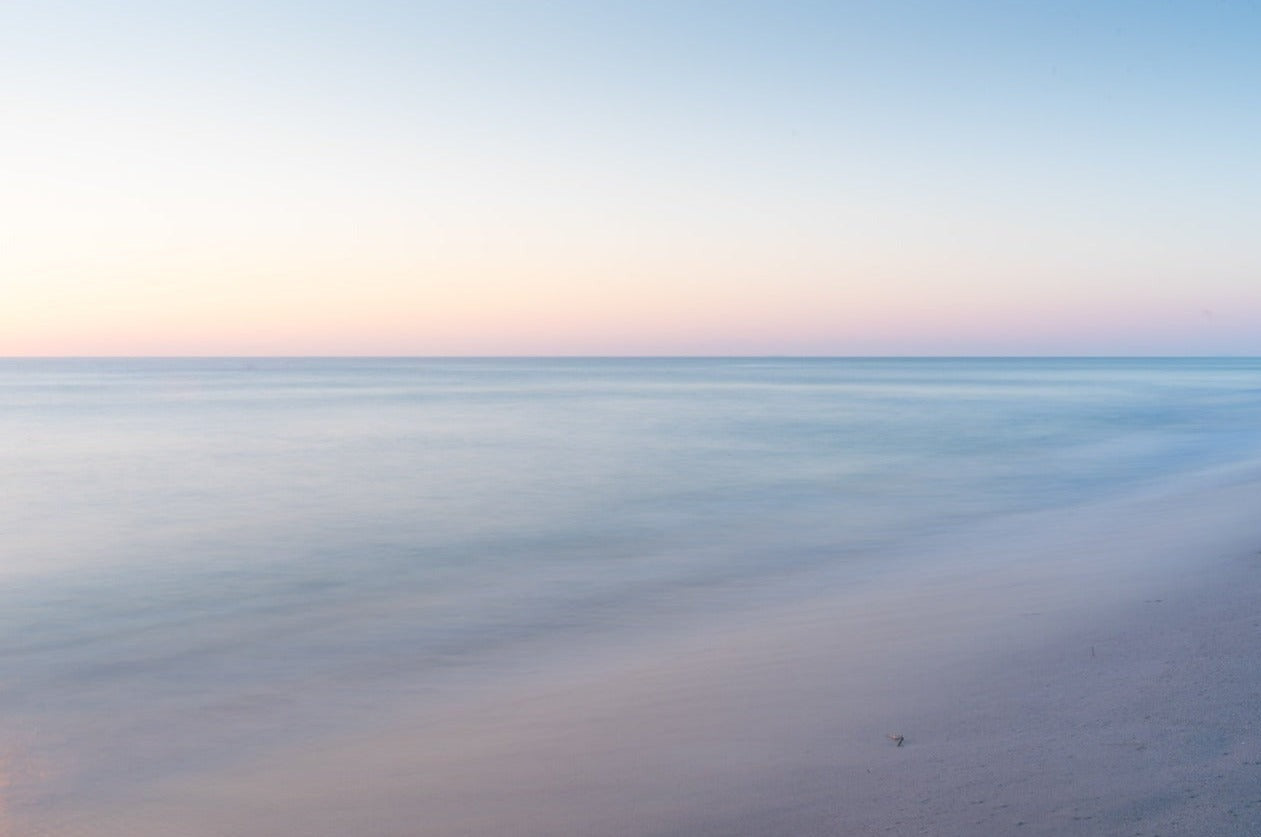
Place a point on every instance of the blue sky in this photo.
(631, 178)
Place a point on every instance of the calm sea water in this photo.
(206, 558)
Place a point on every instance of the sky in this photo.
(629, 178)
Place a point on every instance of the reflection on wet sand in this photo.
(24, 780)
(6, 825)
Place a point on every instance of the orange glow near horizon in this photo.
(496, 321)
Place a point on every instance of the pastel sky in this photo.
(796, 178)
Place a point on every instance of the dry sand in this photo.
(1069, 673)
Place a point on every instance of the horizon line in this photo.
(734, 356)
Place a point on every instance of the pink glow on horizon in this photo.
(539, 327)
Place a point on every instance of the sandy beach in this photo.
(1070, 672)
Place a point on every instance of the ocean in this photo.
(210, 562)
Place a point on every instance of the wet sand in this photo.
(1076, 672)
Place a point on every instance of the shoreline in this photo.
(1102, 683)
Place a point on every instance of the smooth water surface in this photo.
(208, 558)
